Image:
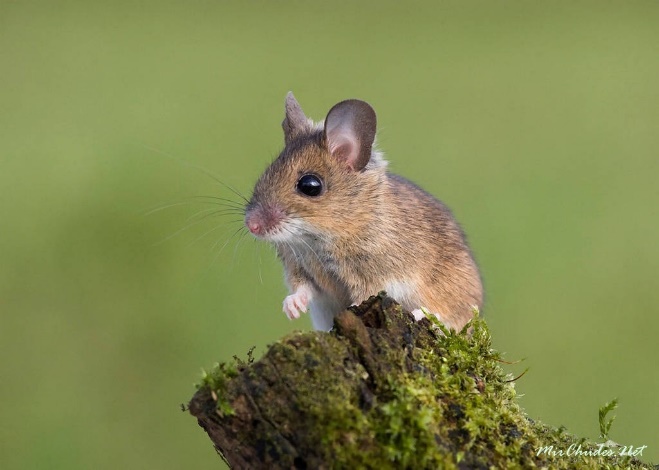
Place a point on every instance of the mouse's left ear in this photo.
(350, 132)
(295, 121)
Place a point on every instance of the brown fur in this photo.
(367, 231)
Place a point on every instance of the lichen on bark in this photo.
(379, 391)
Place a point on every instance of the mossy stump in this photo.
(379, 391)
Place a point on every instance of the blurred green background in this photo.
(538, 123)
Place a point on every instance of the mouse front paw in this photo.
(421, 313)
(297, 303)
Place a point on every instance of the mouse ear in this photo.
(294, 120)
(350, 132)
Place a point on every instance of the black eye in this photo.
(309, 185)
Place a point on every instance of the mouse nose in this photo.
(262, 220)
(253, 224)
(254, 227)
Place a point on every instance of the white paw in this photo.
(421, 313)
(297, 303)
(418, 314)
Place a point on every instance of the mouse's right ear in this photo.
(350, 132)
(294, 121)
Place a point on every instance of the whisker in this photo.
(205, 234)
(166, 206)
(216, 212)
(191, 224)
(198, 168)
(238, 243)
(212, 209)
(193, 200)
(233, 203)
(297, 258)
(312, 250)
(225, 243)
(260, 262)
(302, 239)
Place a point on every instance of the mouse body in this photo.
(345, 228)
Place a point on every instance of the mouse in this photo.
(346, 228)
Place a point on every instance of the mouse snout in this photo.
(262, 220)
(253, 225)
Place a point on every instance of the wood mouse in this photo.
(345, 228)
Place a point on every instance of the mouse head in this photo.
(326, 181)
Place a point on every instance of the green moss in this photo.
(461, 395)
(605, 426)
(216, 382)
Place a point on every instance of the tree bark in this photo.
(379, 391)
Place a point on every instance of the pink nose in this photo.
(254, 227)
(261, 220)
(254, 222)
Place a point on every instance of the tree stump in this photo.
(379, 391)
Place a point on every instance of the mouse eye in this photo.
(309, 185)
